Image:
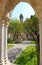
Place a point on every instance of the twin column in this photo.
(3, 43)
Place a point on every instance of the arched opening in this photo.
(29, 16)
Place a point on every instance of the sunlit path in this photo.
(14, 52)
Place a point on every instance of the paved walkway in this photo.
(14, 52)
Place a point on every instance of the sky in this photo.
(23, 8)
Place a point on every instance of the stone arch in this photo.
(10, 7)
(36, 6)
(7, 5)
(10, 4)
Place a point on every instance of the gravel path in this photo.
(17, 49)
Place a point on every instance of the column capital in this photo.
(1, 23)
(6, 21)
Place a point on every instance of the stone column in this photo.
(5, 43)
(40, 30)
(1, 43)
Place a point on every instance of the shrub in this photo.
(10, 41)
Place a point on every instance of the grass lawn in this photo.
(9, 46)
(28, 57)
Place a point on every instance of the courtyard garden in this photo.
(24, 31)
